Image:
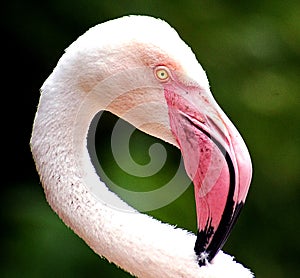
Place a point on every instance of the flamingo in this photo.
(138, 68)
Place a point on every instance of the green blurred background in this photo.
(251, 53)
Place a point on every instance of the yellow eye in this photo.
(162, 73)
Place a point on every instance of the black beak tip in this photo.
(210, 241)
(204, 256)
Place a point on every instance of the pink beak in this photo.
(217, 161)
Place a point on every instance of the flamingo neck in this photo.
(108, 225)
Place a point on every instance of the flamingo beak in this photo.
(217, 161)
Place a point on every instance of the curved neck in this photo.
(131, 240)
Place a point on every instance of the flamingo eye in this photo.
(162, 73)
